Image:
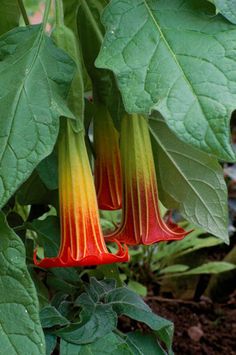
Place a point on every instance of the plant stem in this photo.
(23, 12)
(19, 228)
(59, 13)
(46, 13)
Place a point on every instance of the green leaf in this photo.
(109, 344)
(128, 303)
(67, 274)
(41, 289)
(48, 232)
(34, 191)
(174, 268)
(70, 13)
(21, 332)
(176, 58)
(193, 242)
(213, 267)
(98, 289)
(51, 342)
(107, 226)
(221, 286)
(35, 77)
(227, 8)
(97, 320)
(190, 181)
(70, 19)
(66, 40)
(144, 344)
(58, 284)
(9, 15)
(137, 287)
(48, 171)
(107, 271)
(50, 317)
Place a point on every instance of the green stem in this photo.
(19, 228)
(46, 13)
(23, 12)
(59, 13)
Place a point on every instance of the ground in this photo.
(201, 328)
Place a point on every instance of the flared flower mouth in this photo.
(82, 241)
(141, 222)
(89, 260)
(107, 171)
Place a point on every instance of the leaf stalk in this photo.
(59, 12)
(23, 12)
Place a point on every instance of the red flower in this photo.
(107, 170)
(141, 222)
(82, 242)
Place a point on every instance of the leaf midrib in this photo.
(172, 53)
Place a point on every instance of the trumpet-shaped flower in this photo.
(107, 171)
(82, 242)
(141, 221)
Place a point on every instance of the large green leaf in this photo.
(20, 329)
(227, 8)
(176, 57)
(35, 76)
(190, 181)
(9, 15)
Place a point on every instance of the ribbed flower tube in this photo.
(82, 242)
(107, 169)
(141, 222)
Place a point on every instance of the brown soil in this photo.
(201, 328)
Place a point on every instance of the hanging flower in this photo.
(107, 170)
(141, 221)
(82, 242)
